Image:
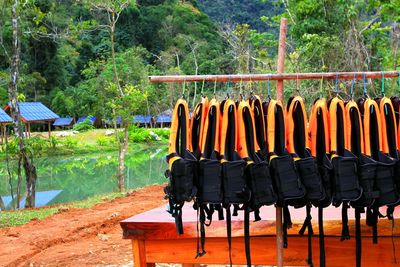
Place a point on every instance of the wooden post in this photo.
(49, 129)
(29, 130)
(279, 96)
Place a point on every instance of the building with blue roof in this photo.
(92, 119)
(4, 120)
(164, 120)
(4, 117)
(142, 119)
(63, 122)
(34, 112)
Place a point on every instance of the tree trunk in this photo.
(10, 178)
(123, 148)
(112, 36)
(2, 206)
(30, 170)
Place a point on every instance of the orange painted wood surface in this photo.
(156, 229)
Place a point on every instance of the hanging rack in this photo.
(274, 77)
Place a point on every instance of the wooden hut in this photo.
(142, 120)
(4, 120)
(164, 120)
(64, 122)
(33, 112)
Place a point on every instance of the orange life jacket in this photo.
(259, 124)
(336, 126)
(228, 133)
(210, 135)
(276, 127)
(179, 134)
(354, 129)
(246, 132)
(319, 122)
(197, 125)
(389, 127)
(372, 125)
(296, 126)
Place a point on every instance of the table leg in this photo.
(139, 254)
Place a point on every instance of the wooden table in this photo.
(154, 240)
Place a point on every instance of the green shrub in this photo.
(37, 145)
(70, 142)
(163, 133)
(53, 142)
(84, 125)
(104, 140)
(138, 135)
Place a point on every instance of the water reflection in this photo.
(66, 179)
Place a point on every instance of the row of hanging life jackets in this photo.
(250, 153)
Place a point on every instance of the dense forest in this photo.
(66, 49)
(251, 12)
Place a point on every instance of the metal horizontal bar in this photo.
(274, 77)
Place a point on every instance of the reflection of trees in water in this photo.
(82, 176)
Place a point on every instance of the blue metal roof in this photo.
(35, 111)
(4, 117)
(141, 119)
(91, 118)
(164, 119)
(63, 122)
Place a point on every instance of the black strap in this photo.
(372, 221)
(257, 214)
(321, 237)
(307, 224)
(358, 237)
(345, 222)
(176, 211)
(375, 226)
(229, 232)
(197, 208)
(220, 210)
(287, 224)
(247, 235)
(202, 231)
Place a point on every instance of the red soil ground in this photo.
(78, 237)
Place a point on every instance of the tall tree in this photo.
(29, 167)
(109, 12)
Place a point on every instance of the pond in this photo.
(72, 178)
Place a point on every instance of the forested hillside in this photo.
(239, 12)
(65, 51)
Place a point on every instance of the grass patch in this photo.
(20, 217)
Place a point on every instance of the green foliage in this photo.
(162, 133)
(70, 142)
(105, 140)
(20, 217)
(83, 126)
(242, 12)
(139, 135)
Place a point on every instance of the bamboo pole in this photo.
(279, 96)
(274, 77)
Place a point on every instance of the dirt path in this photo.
(78, 237)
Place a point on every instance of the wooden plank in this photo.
(274, 77)
(158, 224)
(263, 251)
(139, 253)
